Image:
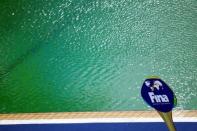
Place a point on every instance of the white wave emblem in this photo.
(156, 85)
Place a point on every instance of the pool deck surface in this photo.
(185, 120)
(80, 115)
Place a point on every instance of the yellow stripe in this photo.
(156, 77)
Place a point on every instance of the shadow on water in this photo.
(53, 32)
(20, 60)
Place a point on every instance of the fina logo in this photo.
(157, 85)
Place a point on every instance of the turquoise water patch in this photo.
(68, 55)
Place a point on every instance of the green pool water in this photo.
(93, 55)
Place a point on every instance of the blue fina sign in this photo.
(158, 94)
